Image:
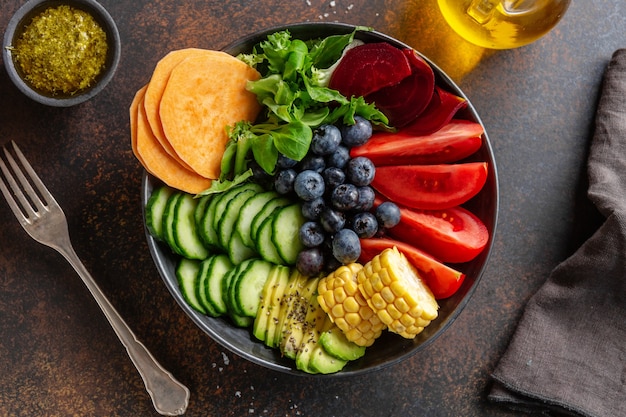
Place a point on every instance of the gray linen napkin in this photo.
(568, 354)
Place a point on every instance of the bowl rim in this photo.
(164, 266)
(101, 15)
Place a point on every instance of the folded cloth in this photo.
(568, 354)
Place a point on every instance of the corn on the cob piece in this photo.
(339, 297)
(393, 289)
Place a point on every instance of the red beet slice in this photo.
(368, 68)
(441, 109)
(403, 102)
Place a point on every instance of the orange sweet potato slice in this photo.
(160, 164)
(154, 91)
(133, 110)
(205, 94)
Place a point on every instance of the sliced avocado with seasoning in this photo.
(324, 363)
(334, 341)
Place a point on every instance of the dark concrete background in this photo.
(58, 356)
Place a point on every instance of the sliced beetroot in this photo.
(368, 68)
(453, 142)
(441, 109)
(403, 102)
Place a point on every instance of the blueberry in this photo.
(311, 234)
(284, 162)
(283, 183)
(388, 214)
(344, 197)
(365, 225)
(346, 246)
(360, 171)
(358, 133)
(312, 162)
(312, 209)
(333, 176)
(339, 158)
(325, 140)
(310, 262)
(332, 220)
(260, 176)
(331, 263)
(366, 198)
(309, 185)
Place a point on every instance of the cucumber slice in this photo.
(155, 208)
(205, 227)
(237, 251)
(265, 212)
(241, 321)
(202, 287)
(285, 233)
(169, 219)
(249, 287)
(224, 287)
(220, 267)
(184, 229)
(187, 277)
(230, 216)
(228, 288)
(264, 244)
(203, 203)
(225, 198)
(250, 209)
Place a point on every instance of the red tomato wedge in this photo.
(453, 142)
(452, 235)
(430, 187)
(369, 67)
(442, 280)
(442, 108)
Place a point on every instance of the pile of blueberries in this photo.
(337, 199)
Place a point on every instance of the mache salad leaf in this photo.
(293, 89)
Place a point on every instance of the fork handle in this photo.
(169, 397)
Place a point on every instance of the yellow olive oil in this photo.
(502, 24)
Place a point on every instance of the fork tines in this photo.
(31, 193)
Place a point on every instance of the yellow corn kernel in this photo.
(396, 293)
(340, 298)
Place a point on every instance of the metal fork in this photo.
(43, 219)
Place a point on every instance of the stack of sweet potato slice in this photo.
(178, 120)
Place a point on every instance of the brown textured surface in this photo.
(58, 356)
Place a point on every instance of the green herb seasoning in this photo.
(61, 51)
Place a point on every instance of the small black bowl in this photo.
(24, 16)
(389, 349)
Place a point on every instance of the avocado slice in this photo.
(259, 329)
(323, 363)
(276, 305)
(296, 326)
(334, 342)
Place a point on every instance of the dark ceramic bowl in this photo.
(24, 16)
(389, 349)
